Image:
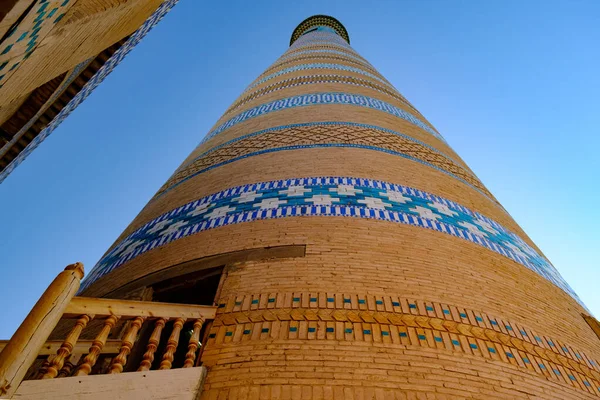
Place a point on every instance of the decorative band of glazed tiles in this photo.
(22, 38)
(328, 196)
(316, 79)
(325, 57)
(88, 88)
(324, 135)
(57, 93)
(397, 328)
(399, 311)
(312, 99)
(327, 51)
(320, 46)
(319, 37)
(304, 67)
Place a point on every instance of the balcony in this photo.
(117, 349)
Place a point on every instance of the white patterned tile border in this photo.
(304, 67)
(321, 99)
(333, 197)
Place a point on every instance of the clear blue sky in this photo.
(512, 85)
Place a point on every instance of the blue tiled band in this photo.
(321, 99)
(317, 37)
(325, 145)
(328, 196)
(327, 51)
(325, 78)
(304, 67)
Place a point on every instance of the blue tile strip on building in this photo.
(304, 67)
(327, 51)
(312, 99)
(324, 78)
(296, 147)
(327, 196)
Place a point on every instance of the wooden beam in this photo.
(131, 309)
(180, 384)
(118, 277)
(81, 347)
(593, 323)
(24, 346)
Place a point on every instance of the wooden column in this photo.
(126, 345)
(169, 354)
(26, 343)
(153, 342)
(190, 356)
(66, 348)
(97, 344)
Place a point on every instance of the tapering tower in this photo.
(351, 252)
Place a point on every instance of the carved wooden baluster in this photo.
(96, 348)
(152, 345)
(190, 356)
(172, 345)
(44, 367)
(126, 345)
(67, 346)
(70, 364)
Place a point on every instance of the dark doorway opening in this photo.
(199, 288)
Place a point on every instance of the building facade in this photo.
(351, 252)
(53, 54)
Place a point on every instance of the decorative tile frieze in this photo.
(309, 66)
(322, 135)
(321, 99)
(89, 87)
(319, 36)
(321, 46)
(320, 57)
(316, 79)
(328, 197)
(320, 53)
(393, 320)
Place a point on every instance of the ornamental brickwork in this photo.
(362, 257)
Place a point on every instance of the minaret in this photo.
(350, 251)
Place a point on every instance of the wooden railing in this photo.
(66, 358)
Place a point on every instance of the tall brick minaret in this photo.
(351, 252)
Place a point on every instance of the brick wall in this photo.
(375, 308)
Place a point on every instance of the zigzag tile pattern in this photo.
(323, 134)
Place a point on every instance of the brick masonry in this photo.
(378, 307)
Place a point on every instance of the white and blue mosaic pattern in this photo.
(326, 37)
(102, 73)
(341, 53)
(321, 99)
(327, 196)
(320, 45)
(325, 78)
(303, 67)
